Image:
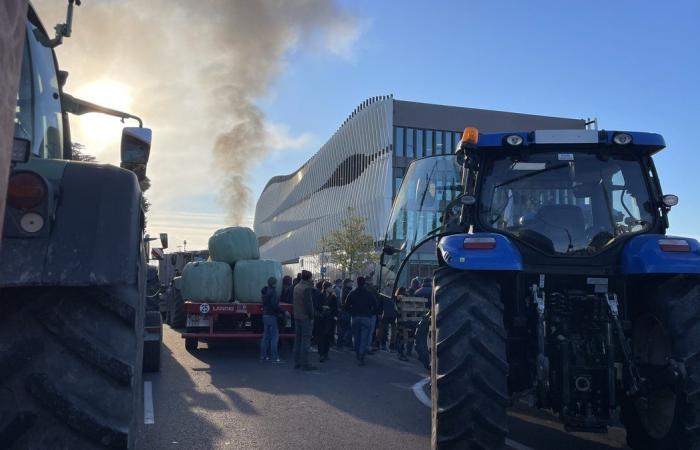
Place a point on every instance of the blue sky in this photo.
(633, 65)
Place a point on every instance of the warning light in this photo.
(470, 136)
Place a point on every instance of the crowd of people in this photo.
(346, 314)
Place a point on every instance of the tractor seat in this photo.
(554, 221)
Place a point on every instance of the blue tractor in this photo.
(556, 285)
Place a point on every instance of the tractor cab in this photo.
(564, 193)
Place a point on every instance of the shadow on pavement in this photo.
(379, 393)
(541, 430)
(176, 419)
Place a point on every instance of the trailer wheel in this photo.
(469, 368)
(191, 344)
(70, 367)
(152, 342)
(669, 417)
(176, 309)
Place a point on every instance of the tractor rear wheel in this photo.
(469, 368)
(176, 309)
(70, 367)
(668, 332)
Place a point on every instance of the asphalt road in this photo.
(222, 397)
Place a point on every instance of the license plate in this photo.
(248, 324)
(197, 321)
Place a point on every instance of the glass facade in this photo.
(416, 143)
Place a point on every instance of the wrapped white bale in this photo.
(207, 281)
(233, 244)
(250, 276)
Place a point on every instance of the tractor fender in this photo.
(504, 256)
(95, 237)
(643, 255)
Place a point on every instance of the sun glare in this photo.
(101, 133)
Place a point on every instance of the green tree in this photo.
(350, 246)
(79, 153)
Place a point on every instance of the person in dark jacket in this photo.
(426, 291)
(388, 322)
(360, 304)
(270, 302)
(303, 321)
(344, 328)
(328, 312)
(316, 296)
(415, 285)
(287, 290)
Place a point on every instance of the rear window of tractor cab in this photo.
(565, 203)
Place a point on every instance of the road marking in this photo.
(420, 394)
(148, 416)
(422, 397)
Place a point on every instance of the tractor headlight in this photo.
(622, 139)
(514, 140)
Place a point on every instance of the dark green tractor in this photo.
(73, 271)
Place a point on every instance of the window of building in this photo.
(439, 146)
(399, 173)
(399, 141)
(410, 143)
(449, 148)
(419, 143)
(428, 142)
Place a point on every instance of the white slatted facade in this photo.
(294, 211)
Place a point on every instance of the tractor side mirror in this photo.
(135, 149)
(136, 145)
(21, 149)
(669, 200)
(164, 240)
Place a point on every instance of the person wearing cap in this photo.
(270, 339)
(361, 305)
(303, 321)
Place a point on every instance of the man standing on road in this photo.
(360, 305)
(271, 307)
(303, 321)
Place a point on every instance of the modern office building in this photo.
(362, 166)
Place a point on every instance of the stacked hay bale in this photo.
(234, 272)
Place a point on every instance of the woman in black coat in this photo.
(327, 315)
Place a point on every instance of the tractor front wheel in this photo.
(469, 368)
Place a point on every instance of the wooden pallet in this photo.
(411, 309)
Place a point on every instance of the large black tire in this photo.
(70, 367)
(675, 306)
(176, 309)
(469, 368)
(152, 342)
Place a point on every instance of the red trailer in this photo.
(222, 321)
